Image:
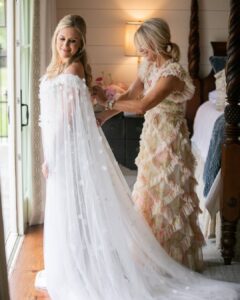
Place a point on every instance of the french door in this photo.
(11, 143)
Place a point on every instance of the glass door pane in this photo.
(4, 141)
(10, 129)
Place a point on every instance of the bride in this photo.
(96, 244)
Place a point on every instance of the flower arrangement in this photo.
(111, 89)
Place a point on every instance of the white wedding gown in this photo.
(96, 245)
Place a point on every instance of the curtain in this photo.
(43, 24)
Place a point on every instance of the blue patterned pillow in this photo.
(218, 62)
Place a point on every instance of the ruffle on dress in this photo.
(165, 188)
(164, 194)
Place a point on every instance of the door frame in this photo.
(14, 102)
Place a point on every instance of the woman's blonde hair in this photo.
(56, 66)
(155, 34)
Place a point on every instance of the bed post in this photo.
(193, 64)
(230, 202)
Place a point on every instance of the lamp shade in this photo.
(131, 28)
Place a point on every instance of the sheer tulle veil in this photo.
(96, 245)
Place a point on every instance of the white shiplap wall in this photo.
(105, 29)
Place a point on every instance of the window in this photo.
(10, 128)
(4, 120)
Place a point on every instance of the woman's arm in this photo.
(133, 91)
(105, 115)
(164, 87)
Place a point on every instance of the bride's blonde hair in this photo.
(56, 66)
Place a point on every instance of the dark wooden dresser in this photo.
(123, 133)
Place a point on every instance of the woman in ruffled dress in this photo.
(164, 189)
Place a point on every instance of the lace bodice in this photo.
(65, 84)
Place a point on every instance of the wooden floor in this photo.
(29, 262)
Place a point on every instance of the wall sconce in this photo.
(129, 48)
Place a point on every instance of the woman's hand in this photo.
(45, 170)
(99, 94)
(103, 116)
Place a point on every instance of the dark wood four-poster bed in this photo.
(229, 192)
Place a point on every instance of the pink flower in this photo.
(110, 93)
(99, 81)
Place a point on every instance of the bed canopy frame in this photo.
(230, 163)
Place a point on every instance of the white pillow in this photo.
(221, 90)
(220, 80)
(212, 96)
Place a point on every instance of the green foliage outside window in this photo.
(3, 72)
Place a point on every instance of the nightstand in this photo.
(123, 134)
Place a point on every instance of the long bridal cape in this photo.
(96, 245)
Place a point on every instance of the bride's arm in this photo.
(76, 68)
(48, 134)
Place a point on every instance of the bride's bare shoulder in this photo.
(76, 68)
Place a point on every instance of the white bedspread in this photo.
(203, 126)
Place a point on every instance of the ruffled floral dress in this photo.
(164, 191)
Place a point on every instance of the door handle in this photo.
(23, 105)
(27, 115)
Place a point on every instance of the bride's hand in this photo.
(99, 95)
(45, 170)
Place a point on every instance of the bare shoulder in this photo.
(76, 68)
